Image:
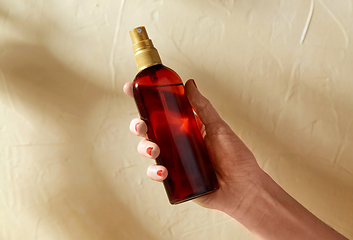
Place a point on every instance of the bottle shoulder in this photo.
(157, 75)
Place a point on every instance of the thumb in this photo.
(201, 105)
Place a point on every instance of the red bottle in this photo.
(160, 97)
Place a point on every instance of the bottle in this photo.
(160, 98)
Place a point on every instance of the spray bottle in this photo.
(160, 98)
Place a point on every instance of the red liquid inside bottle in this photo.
(160, 98)
(163, 105)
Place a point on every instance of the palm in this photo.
(234, 163)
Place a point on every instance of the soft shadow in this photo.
(58, 104)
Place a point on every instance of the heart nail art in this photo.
(149, 151)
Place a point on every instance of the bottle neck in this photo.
(146, 55)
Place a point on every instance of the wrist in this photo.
(249, 197)
(271, 213)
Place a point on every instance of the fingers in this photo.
(138, 127)
(201, 105)
(148, 149)
(151, 150)
(128, 89)
(145, 148)
(157, 172)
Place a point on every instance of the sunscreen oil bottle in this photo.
(160, 98)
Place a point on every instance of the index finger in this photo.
(128, 89)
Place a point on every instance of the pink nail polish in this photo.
(159, 173)
(136, 126)
(149, 151)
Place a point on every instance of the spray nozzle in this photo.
(138, 34)
(145, 53)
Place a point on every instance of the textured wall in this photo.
(279, 72)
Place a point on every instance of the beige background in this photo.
(68, 163)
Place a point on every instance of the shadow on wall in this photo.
(48, 94)
(56, 102)
(60, 187)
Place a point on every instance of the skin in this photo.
(246, 192)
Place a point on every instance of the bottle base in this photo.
(193, 196)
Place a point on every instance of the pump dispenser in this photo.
(146, 54)
(160, 98)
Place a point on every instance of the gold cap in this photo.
(145, 53)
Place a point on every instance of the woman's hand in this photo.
(246, 193)
(237, 171)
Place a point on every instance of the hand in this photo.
(236, 168)
(246, 193)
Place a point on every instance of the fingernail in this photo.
(149, 151)
(194, 83)
(136, 126)
(159, 173)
